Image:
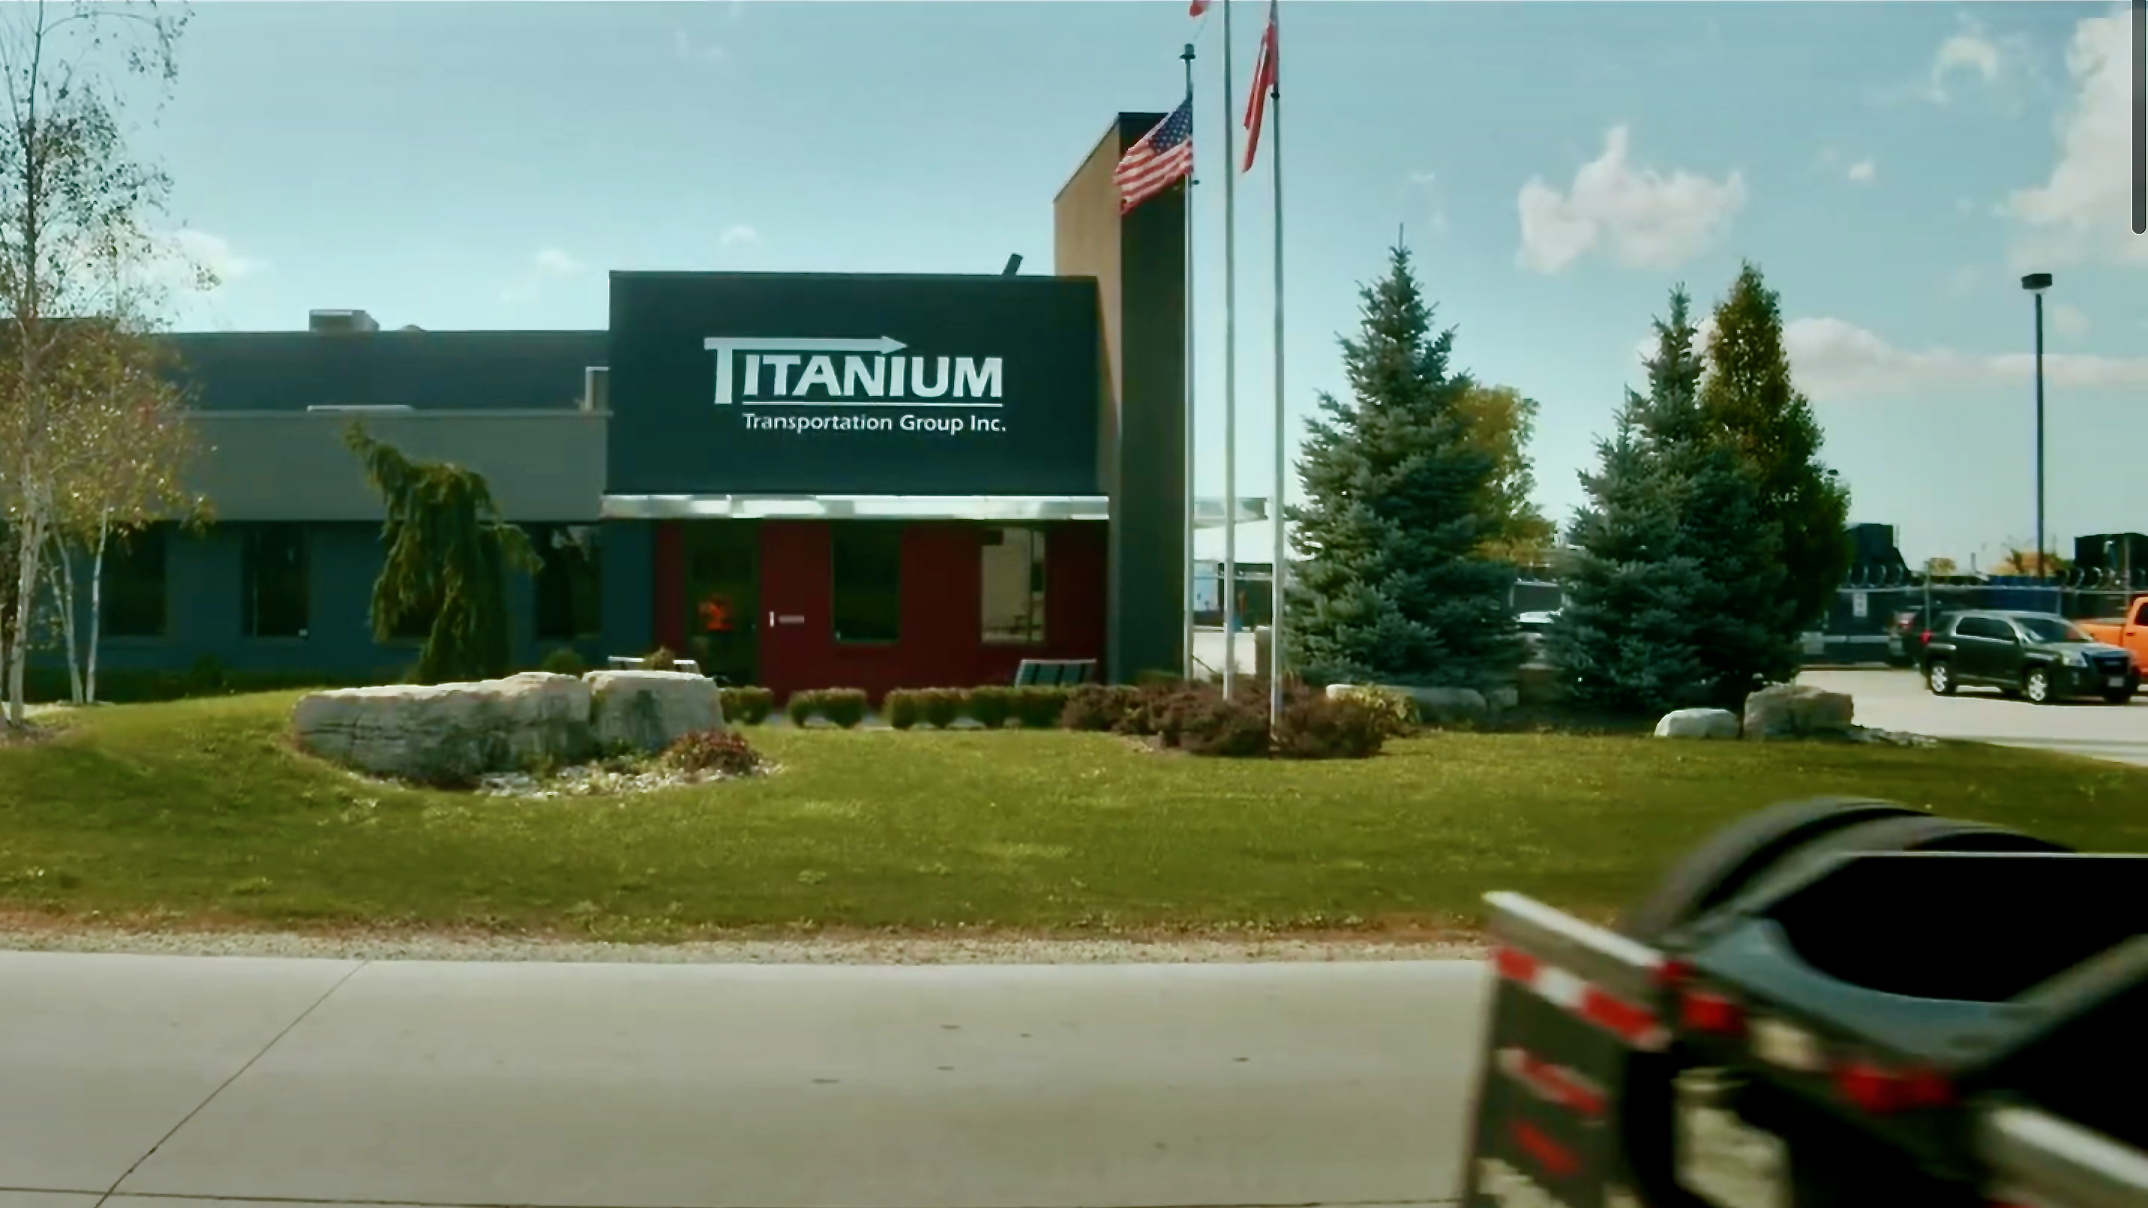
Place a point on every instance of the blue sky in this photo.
(1556, 168)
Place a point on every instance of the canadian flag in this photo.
(1197, 7)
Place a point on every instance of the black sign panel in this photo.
(828, 384)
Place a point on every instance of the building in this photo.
(799, 480)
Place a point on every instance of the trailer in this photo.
(1836, 1003)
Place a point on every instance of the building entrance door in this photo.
(723, 598)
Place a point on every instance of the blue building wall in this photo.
(204, 585)
(627, 551)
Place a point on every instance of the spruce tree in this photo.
(1390, 585)
(448, 557)
(1676, 588)
(1749, 398)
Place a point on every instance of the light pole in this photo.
(2036, 284)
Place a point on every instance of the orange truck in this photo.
(2129, 631)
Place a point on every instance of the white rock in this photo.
(649, 710)
(1797, 711)
(1698, 723)
(448, 731)
(1433, 704)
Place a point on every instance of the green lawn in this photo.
(198, 812)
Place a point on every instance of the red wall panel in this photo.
(669, 620)
(941, 643)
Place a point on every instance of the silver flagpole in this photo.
(1277, 554)
(1186, 556)
(1230, 375)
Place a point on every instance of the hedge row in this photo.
(1034, 707)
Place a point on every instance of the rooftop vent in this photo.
(339, 322)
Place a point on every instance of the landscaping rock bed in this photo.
(453, 733)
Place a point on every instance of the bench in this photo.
(1054, 673)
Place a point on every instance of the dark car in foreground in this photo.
(2038, 655)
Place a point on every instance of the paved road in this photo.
(680, 1086)
(1897, 700)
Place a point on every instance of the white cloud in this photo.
(1646, 218)
(2069, 321)
(1836, 359)
(184, 268)
(740, 236)
(1862, 172)
(1435, 202)
(2081, 212)
(692, 51)
(548, 264)
(1970, 52)
(1833, 359)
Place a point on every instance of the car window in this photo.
(1985, 627)
(2052, 629)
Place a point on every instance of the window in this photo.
(1012, 585)
(1990, 628)
(868, 580)
(134, 597)
(274, 593)
(569, 590)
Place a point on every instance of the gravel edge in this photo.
(893, 950)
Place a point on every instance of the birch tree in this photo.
(124, 454)
(73, 201)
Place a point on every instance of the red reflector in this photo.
(1555, 1158)
(1514, 966)
(1879, 1090)
(1672, 972)
(1700, 1011)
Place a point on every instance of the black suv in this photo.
(2040, 655)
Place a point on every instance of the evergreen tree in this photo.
(448, 557)
(1391, 585)
(1677, 586)
(1749, 398)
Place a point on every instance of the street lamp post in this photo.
(2036, 284)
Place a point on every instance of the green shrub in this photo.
(1396, 710)
(939, 707)
(845, 707)
(724, 752)
(990, 705)
(803, 705)
(1316, 726)
(747, 706)
(903, 707)
(1039, 706)
(207, 677)
(563, 660)
(1096, 706)
(1147, 679)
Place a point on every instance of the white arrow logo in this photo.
(724, 346)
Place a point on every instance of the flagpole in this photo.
(1186, 555)
(1277, 565)
(1230, 377)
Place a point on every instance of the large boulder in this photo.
(440, 733)
(1798, 711)
(1698, 723)
(649, 710)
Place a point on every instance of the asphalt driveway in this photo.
(1897, 700)
(134, 1081)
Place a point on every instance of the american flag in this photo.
(1159, 160)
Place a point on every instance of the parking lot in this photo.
(1897, 700)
